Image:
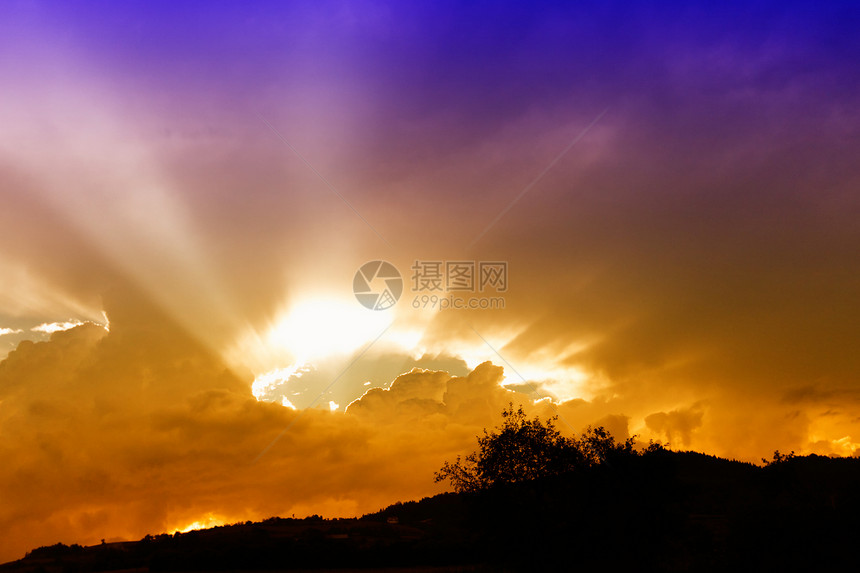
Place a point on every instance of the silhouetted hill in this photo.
(663, 511)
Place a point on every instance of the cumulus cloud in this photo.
(5, 331)
(473, 399)
(301, 385)
(141, 429)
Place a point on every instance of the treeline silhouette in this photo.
(531, 499)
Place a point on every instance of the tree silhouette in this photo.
(778, 458)
(523, 449)
(599, 447)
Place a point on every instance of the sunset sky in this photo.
(187, 193)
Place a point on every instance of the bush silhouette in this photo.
(524, 449)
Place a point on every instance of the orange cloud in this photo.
(676, 426)
(142, 429)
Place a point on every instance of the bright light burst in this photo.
(207, 522)
(317, 328)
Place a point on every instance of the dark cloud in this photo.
(677, 426)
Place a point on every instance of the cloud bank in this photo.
(142, 429)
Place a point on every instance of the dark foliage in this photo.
(523, 450)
